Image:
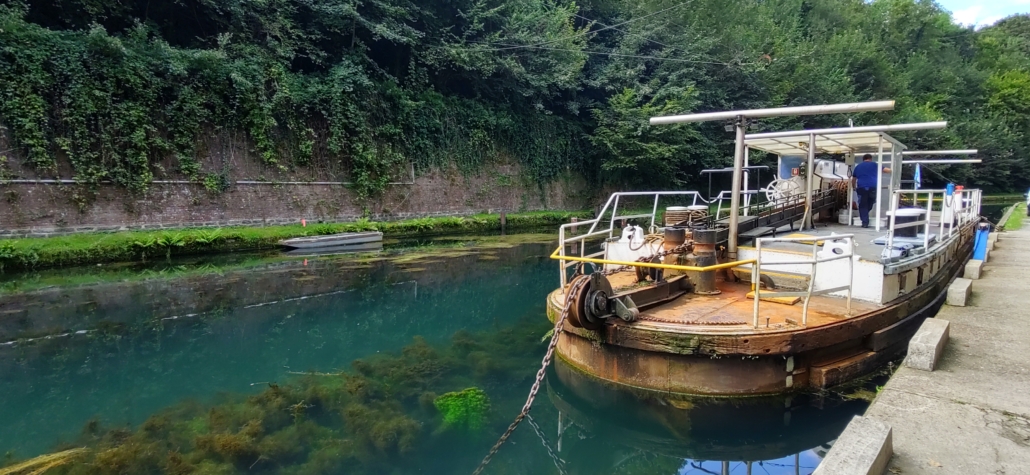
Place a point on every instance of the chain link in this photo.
(559, 324)
(558, 462)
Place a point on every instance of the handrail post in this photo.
(851, 196)
(879, 179)
(890, 229)
(926, 230)
(654, 210)
(561, 252)
(955, 213)
(851, 270)
(615, 212)
(811, 283)
(756, 277)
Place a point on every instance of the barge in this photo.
(765, 291)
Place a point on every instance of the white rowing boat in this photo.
(333, 240)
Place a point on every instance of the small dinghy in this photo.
(333, 240)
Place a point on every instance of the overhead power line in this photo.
(623, 31)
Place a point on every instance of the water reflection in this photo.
(604, 429)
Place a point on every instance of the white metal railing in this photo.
(957, 209)
(607, 226)
(756, 271)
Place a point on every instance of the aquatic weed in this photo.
(464, 409)
(382, 416)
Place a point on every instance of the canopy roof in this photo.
(837, 142)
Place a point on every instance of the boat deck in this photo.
(732, 312)
(864, 237)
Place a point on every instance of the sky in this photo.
(983, 12)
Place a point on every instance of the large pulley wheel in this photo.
(589, 304)
(781, 189)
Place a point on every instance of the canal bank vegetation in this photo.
(126, 92)
(1016, 217)
(95, 248)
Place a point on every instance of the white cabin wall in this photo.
(868, 284)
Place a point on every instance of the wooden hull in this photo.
(718, 362)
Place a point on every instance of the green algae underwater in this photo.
(387, 414)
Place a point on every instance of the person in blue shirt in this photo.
(864, 178)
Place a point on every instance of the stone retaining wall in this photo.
(40, 210)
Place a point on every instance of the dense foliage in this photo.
(117, 88)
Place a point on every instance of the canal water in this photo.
(994, 211)
(412, 360)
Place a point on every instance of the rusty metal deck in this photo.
(731, 312)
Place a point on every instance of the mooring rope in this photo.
(558, 325)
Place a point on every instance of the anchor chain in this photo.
(558, 325)
(558, 462)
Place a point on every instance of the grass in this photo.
(1015, 220)
(95, 248)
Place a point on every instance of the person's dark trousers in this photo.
(866, 200)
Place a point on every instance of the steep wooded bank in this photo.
(130, 91)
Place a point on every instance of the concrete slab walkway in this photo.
(972, 414)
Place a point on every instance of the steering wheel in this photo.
(781, 188)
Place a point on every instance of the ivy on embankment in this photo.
(117, 106)
(94, 248)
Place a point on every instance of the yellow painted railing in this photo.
(555, 255)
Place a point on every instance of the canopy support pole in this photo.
(851, 191)
(747, 180)
(738, 167)
(879, 182)
(806, 223)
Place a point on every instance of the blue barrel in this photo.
(980, 241)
